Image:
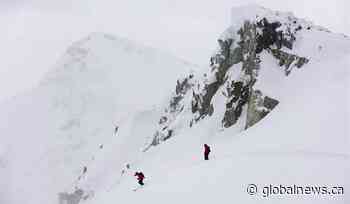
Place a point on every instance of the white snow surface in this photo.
(50, 134)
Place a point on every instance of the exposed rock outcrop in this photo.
(238, 52)
(259, 106)
(289, 61)
(175, 107)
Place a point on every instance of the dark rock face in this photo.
(238, 96)
(271, 36)
(259, 107)
(220, 63)
(272, 40)
(175, 107)
(269, 103)
(238, 92)
(289, 61)
(240, 52)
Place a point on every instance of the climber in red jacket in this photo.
(206, 152)
(140, 177)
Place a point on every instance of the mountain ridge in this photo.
(271, 88)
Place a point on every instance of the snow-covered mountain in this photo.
(273, 106)
(51, 133)
(256, 54)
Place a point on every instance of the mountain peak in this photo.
(273, 93)
(241, 86)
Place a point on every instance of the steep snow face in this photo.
(303, 141)
(50, 134)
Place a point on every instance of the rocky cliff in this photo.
(233, 72)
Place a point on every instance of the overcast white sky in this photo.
(35, 33)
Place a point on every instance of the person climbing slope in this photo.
(140, 177)
(206, 152)
(116, 130)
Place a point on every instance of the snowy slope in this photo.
(68, 122)
(304, 141)
(51, 133)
